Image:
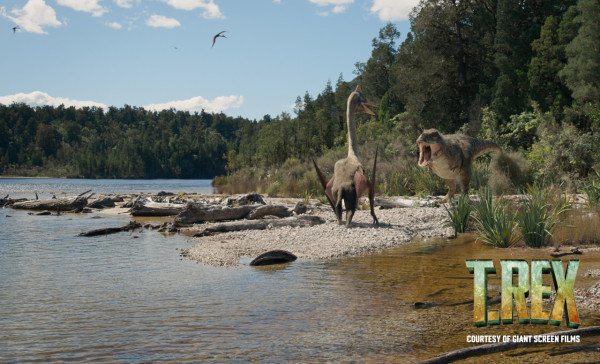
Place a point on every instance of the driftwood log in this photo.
(147, 207)
(60, 204)
(464, 353)
(296, 221)
(194, 213)
(277, 211)
(112, 230)
(387, 204)
(6, 201)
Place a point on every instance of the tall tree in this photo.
(582, 72)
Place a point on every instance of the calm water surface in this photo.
(46, 187)
(129, 297)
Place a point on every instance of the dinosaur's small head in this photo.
(357, 102)
(430, 142)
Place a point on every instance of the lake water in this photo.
(47, 187)
(130, 297)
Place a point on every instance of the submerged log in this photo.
(147, 207)
(472, 351)
(273, 257)
(299, 221)
(60, 204)
(112, 230)
(194, 213)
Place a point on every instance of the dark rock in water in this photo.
(273, 257)
(165, 193)
(423, 305)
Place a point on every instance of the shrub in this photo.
(539, 215)
(495, 225)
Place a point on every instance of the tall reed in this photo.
(539, 214)
(494, 223)
(592, 190)
(459, 213)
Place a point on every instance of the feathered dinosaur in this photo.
(451, 157)
(349, 181)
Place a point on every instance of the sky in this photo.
(157, 54)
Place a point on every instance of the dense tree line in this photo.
(128, 142)
(525, 73)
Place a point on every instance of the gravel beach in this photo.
(397, 226)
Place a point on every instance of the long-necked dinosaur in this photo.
(349, 181)
(451, 157)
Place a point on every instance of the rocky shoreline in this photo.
(329, 240)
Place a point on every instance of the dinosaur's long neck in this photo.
(352, 147)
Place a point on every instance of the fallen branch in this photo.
(561, 254)
(112, 230)
(62, 204)
(147, 207)
(194, 213)
(299, 221)
(387, 204)
(464, 353)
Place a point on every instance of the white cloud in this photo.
(39, 98)
(277, 1)
(33, 16)
(393, 10)
(199, 103)
(124, 3)
(331, 2)
(114, 25)
(211, 10)
(88, 6)
(161, 21)
(339, 6)
(339, 9)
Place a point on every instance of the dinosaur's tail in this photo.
(484, 146)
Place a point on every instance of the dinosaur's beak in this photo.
(363, 108)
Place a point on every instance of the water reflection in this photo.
(129, 297)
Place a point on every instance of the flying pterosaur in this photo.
(219, 34)
(15, 29)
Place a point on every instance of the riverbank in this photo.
(329, 240)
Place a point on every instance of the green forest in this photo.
(525, 74)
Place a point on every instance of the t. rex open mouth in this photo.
(425, 154)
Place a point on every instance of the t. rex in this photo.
(349, 181)
(451, 157)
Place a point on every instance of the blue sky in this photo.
(157, 53)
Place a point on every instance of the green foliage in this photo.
(494, 223)
(591, 188)
(582, 71)
(563, 153)
(459, 213)
(539, 215)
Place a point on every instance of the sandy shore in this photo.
(397, 226)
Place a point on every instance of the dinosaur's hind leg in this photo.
(350, 201)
